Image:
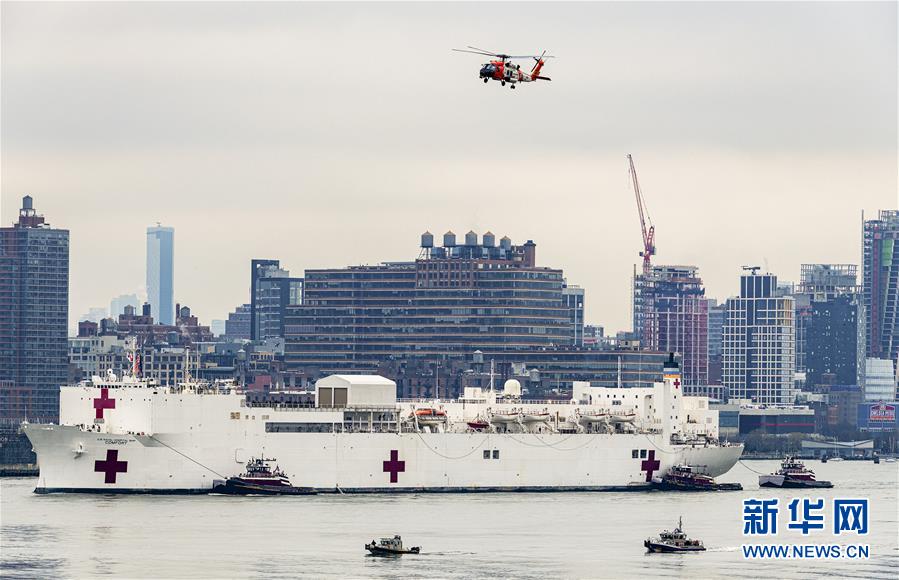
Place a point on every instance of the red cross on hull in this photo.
(650, 465)
(103, 402)
(111, 466)
(394, 466)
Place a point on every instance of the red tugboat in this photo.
(691, 478)
(792, 473)
(260, 479)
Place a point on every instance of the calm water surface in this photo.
(522, 535)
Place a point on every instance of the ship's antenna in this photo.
(492, 374)
(187, 364)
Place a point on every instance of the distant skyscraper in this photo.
(272, 290)
(34, 309)
(117, 305)
(881, 285)
(758, 348)
(161, 273)
(830, 323)
(671, 314)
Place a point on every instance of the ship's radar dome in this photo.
(512, 388)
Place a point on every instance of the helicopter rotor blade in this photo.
(537, 61)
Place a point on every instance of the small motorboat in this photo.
(691, 478)
(674, 541)
(259, 479)
(792, 474)
(478, 425)
(390, 547)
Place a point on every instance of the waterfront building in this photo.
(881, 286)
(34, 309)
(237, 327)
(186, 330)
(832, 335)
(272, 291)
(672, 315)
(217, 326)
(758, 342)
(451, 301)
(161, 272)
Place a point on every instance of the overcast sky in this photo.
(331, 135)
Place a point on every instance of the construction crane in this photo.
(649, 234)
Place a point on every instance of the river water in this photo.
(522, 535)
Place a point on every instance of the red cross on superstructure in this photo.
(111, 466)
(103, 402)
(650, 464)
(394, 466)
(676, 383)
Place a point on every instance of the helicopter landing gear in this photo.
(485, 80)
(513, 85)
(503, 83)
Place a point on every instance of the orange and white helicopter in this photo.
(504, 71)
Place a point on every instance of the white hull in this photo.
(362, 462)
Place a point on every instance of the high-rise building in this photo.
(671, 314)
(161, 273)
(574, 302)
(880, 380)
(881, 285)
(832, 338)
(758, 343)
(237, 327)
(34, 310)
(451, 301)
(272, 290)
(717, 315)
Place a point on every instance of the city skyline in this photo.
(265, 163)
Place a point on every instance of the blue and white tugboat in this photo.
(260, 479)
(674, 541)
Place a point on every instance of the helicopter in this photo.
(504, 71)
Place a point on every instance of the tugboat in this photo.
(390, 547)
(259, 479)
(792, 473)
(690, 478)
(676, 541)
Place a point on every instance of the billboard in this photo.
(878, 416)
(882, 413)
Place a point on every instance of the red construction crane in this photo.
(649, 235)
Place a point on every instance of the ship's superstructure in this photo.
(129, 435)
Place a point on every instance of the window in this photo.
(635, 454)
(496, 453)
(486, 454)
(642, 454)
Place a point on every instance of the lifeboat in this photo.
(478, 425)
(599, 417)
(430, 416)
(622, 417)
(505, 418)
(536, 417)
